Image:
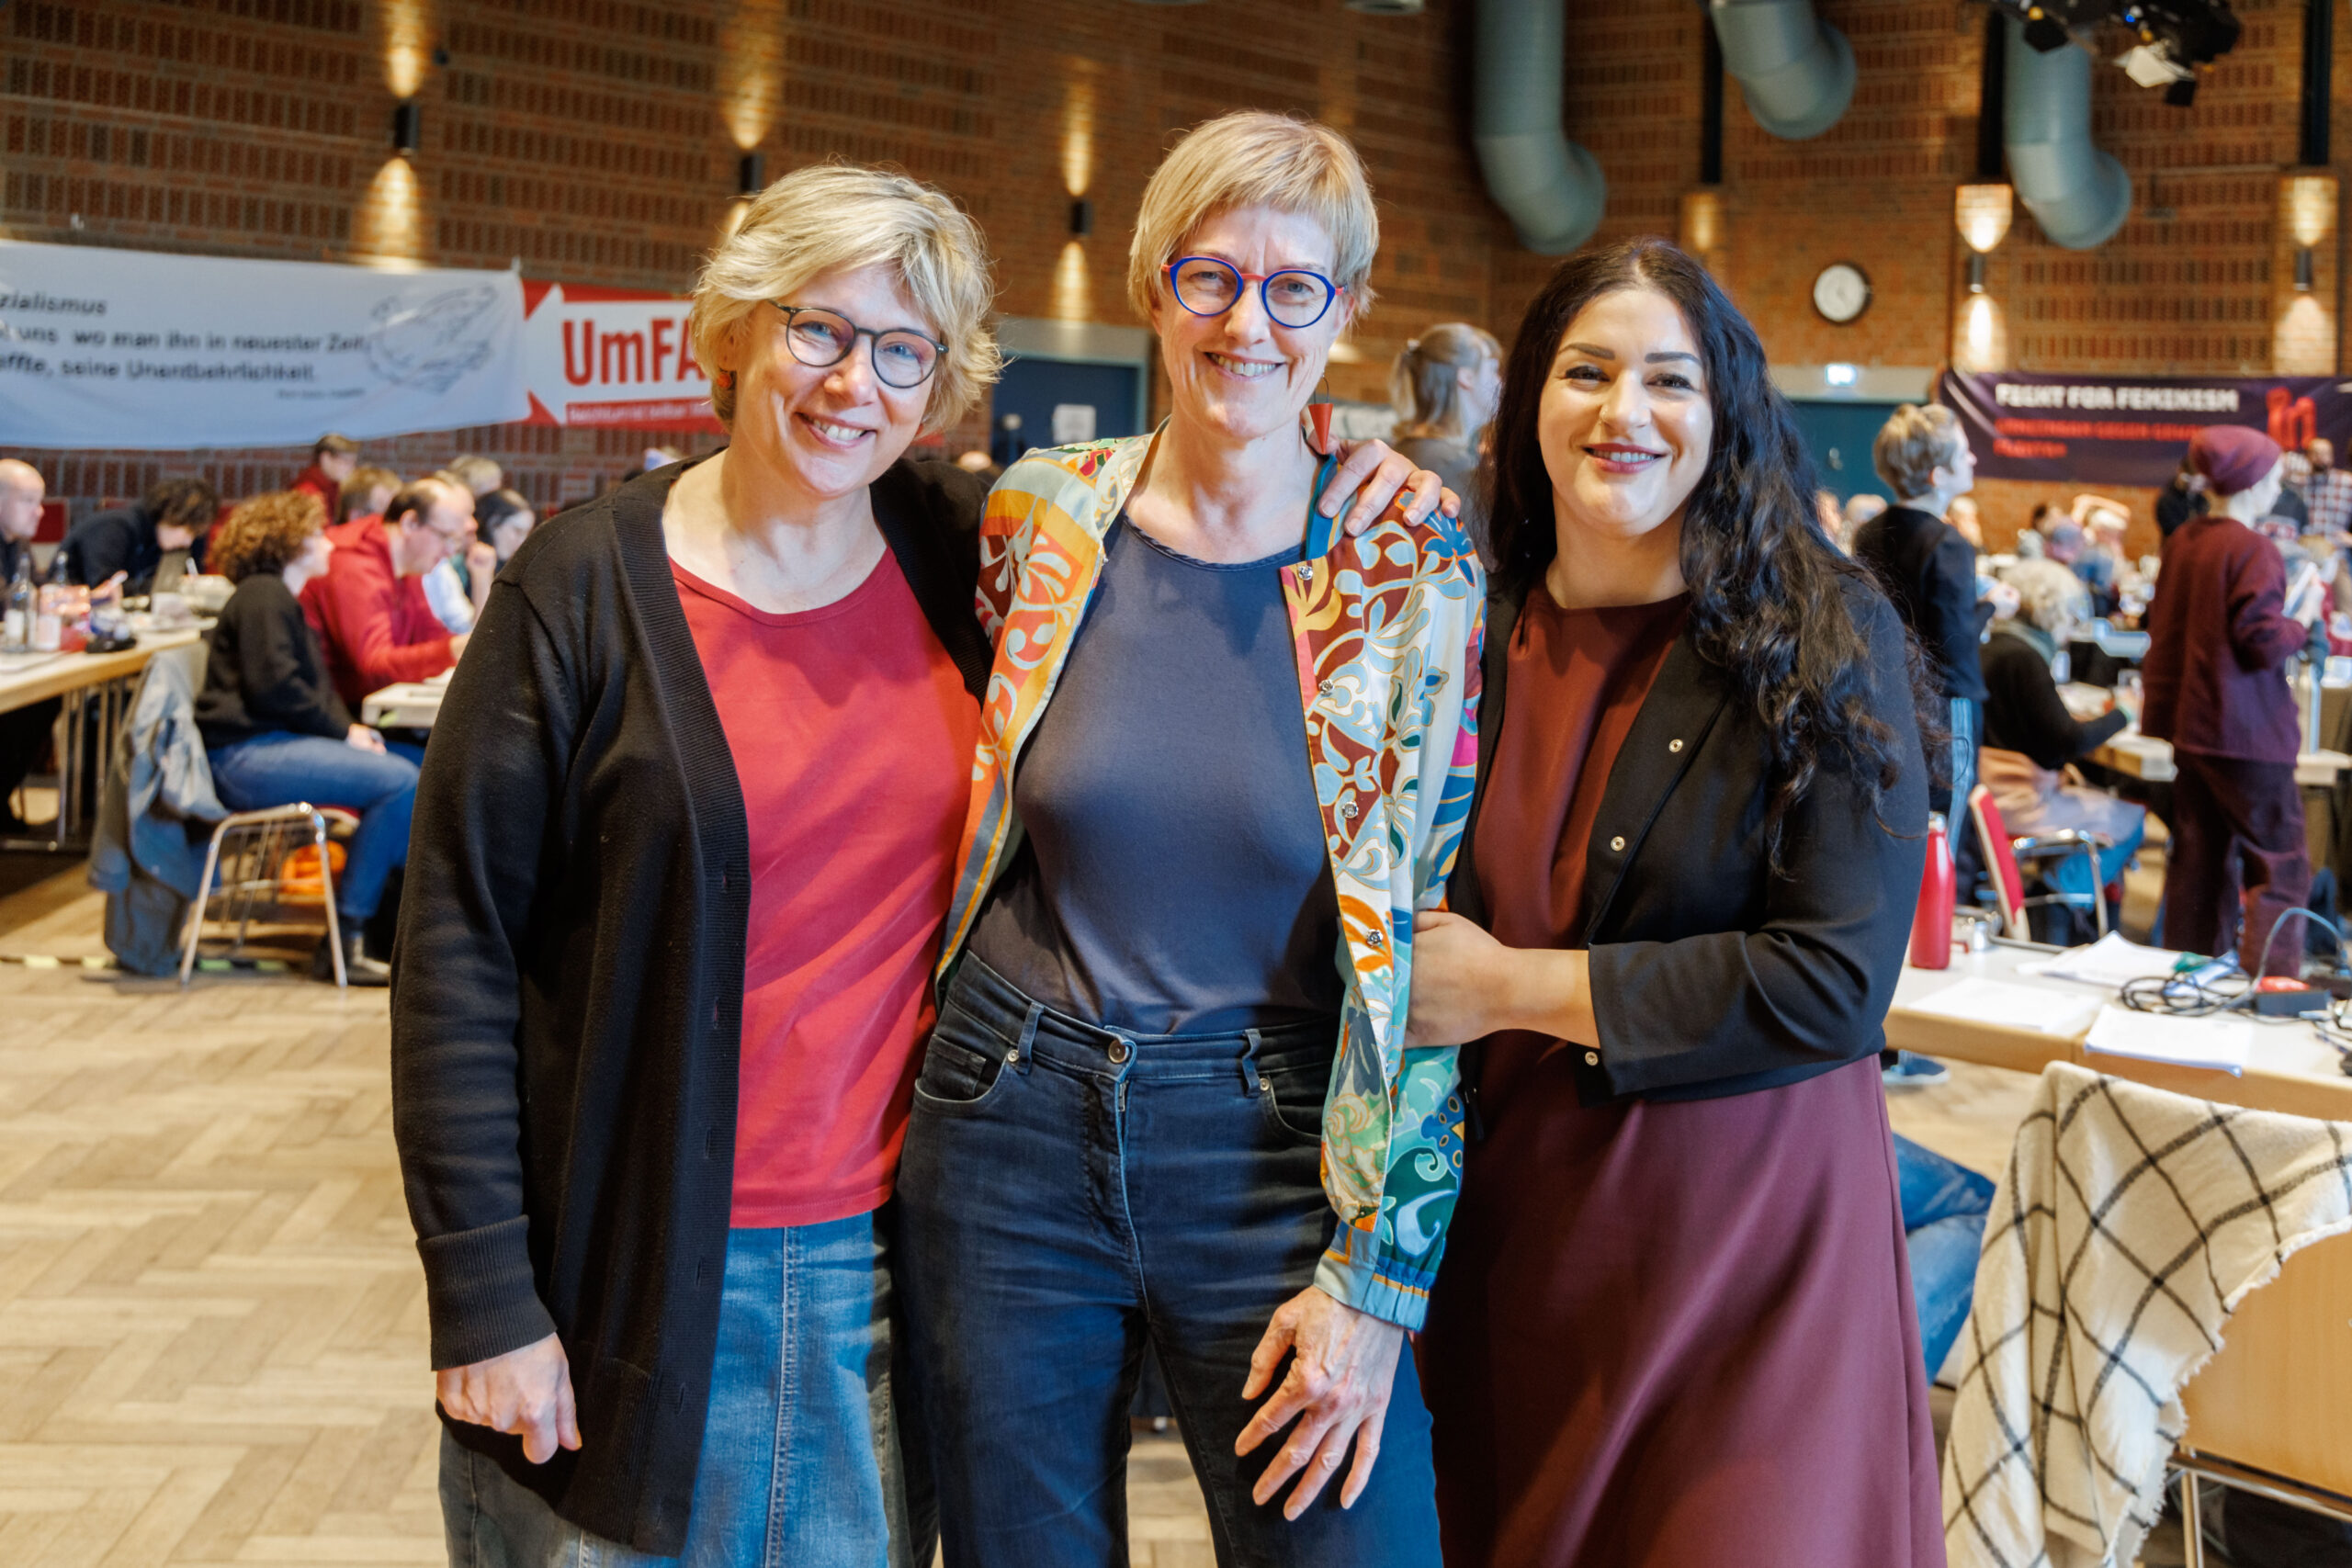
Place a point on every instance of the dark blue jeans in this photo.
(1944, 1205)
(1069, 1192)
(279, 768)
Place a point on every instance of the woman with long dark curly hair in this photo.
(1675, 1325)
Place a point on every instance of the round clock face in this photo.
(1841, 292)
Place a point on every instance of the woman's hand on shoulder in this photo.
(1343, 1366)
(1377, 474)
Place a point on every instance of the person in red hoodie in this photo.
(370, 610)
(332, 457)
(2222, 629)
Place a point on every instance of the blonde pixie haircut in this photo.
(1255, 158)
(838, 217)
(1912, 444)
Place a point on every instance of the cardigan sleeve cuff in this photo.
(480, 1293)
(1356, 1270)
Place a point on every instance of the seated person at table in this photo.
(274, 728)
(365, 494)
(502, 520)
(333, 459)
(2030, 740)
(2220, 633)
(369, 607)
(136, 540)
(23, 732)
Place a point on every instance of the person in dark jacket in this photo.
(135, 541)
(1681, 909)
(2221, 632)
(2182, 498)
(684, 849)
(1928, 570)
(2031, 739)
(273, 729)
(24, 731)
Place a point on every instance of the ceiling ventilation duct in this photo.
(1795, 70)
(1551, 187)
(2079, 195)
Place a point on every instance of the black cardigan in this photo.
(568, 985)
(1928, 570)
(2023, 713)
(265, 672)
(1711, 976)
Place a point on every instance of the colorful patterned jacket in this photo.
(1387, 627)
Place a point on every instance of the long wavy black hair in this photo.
(1768, 591)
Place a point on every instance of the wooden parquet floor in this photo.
(212, 1334)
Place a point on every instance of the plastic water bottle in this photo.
(17, 636)
(1932, 923)
(49, 609)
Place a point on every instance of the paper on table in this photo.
(2222, 1041)
(2110, 961)
(2008, 1007)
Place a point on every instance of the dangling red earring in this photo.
(725, 380)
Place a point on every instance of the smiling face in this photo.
(828, 430)
(1625, 425)
(1240, 376)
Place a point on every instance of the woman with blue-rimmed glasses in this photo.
(1223, 757)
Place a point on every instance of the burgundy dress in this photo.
(1664, 1334)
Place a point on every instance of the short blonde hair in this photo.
(1256, 159)
(837, 217)
(1912, 444)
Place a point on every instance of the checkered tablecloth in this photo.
(2128, 1225)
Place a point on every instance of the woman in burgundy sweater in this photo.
(1675, 1325)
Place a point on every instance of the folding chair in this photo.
(248, 851)
(2002, 855)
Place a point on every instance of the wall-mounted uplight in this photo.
(408, 128)
(2304, 270)
(751, 173)
(1982, 213)
(1081, 218)
(1976, 272)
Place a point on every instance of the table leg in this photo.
(2192, 1522)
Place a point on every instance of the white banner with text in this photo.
(615, 357)
(115, 348)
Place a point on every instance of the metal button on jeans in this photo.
(1120, 1052)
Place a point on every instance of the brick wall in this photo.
(597, 140)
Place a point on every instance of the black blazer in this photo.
(1928, 570)
(568, 985)
(1711, 976)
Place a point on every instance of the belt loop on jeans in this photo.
(1250, 1060)
(1019, 1057)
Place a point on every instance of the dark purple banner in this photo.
(2129, 430)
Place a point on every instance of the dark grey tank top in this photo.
(1174, 878)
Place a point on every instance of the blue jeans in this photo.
(2071, 874)
(1944, 1207)
(1068, 1193)
(800, 1455)
(281, 769)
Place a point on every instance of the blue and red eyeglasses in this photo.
(1293, 298)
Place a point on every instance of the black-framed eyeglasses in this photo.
(1207, 286)
(820, 339)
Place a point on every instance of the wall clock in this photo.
(1841, 292)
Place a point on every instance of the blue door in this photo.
(1839, 435)
(1083, 401)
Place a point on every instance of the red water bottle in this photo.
(1931, 924)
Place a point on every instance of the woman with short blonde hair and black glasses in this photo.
(683, 843)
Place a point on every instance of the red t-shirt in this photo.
(853, 738)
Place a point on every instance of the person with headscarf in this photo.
(2222, 627)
